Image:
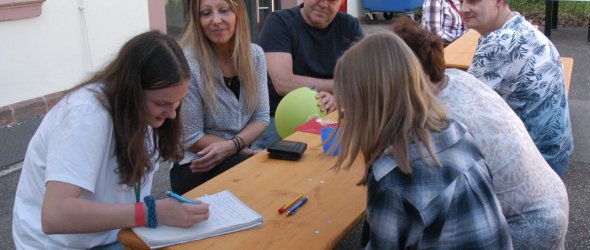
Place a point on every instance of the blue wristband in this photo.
(151, 207)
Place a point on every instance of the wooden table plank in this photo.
(568, 68)
(459, 53)
(335, 203)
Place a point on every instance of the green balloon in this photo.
(295, 109)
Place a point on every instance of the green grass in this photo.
(570, 13)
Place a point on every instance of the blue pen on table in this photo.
(297, 205)
(179, 198)
(286, 207)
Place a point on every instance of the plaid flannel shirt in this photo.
(451, 207)
(440, 18)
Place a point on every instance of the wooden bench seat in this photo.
(568, 68)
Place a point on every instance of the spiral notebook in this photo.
(227, 214)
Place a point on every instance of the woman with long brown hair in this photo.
(95, 153)
(428, 186)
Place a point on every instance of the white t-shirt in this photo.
(74, 144)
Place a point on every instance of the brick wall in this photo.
(25, 110)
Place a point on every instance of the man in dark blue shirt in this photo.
(301, 46)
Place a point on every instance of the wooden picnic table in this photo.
(336, 204)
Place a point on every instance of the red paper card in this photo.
(314, 126)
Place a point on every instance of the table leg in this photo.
(548, 8)
(554, 12)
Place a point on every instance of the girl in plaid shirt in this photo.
(428, 185)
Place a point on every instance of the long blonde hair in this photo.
(381, 87)
(242, 60)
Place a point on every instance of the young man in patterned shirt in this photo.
(522, 65)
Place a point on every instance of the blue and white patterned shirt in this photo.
(451, 207)
(523, 66)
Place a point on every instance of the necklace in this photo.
(229, 80)
(506, 17)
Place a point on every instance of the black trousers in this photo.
(183, 180)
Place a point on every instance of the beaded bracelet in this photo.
(151, 207)
(242, 144)
(236, 145)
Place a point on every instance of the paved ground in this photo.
(570, 42)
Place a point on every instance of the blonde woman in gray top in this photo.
(226, 108)
(533, 197)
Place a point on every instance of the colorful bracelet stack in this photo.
(238, 143)
(151, 207)
(139, 215)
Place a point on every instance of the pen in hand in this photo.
(179, 198)
(297, 205)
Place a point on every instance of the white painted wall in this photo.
(60, 48)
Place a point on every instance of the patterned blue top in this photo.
(523, 66)
(451, 207)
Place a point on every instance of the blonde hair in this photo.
(242, 60)
(380, 85)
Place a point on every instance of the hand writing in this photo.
(174, 213)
